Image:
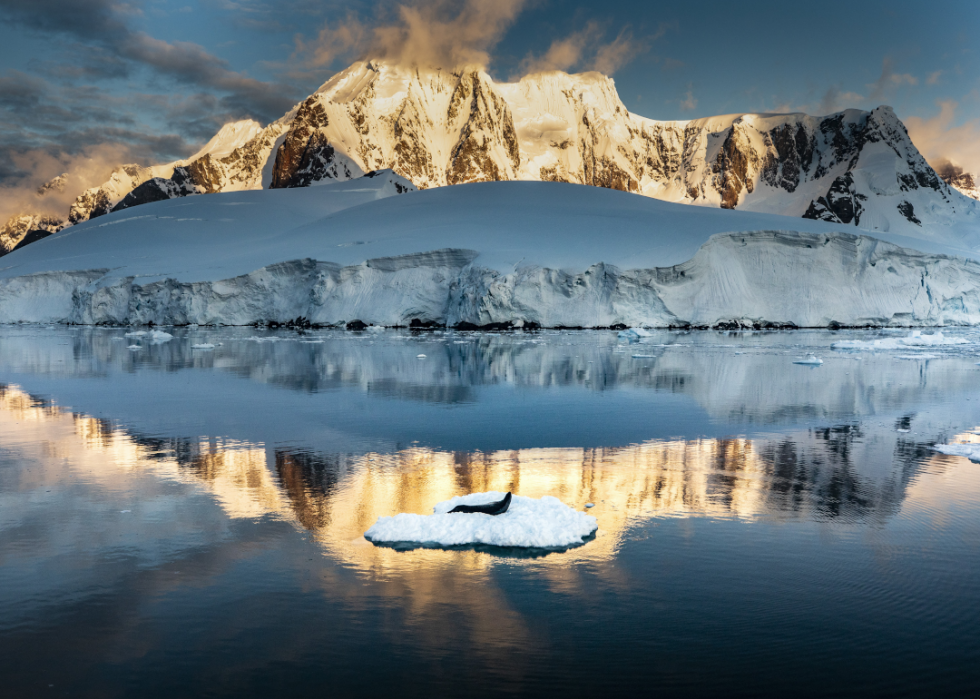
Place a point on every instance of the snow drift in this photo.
(490, 254)
(547, 523)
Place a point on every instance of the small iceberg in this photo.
(133, 347)
(633, 334)
(545, 523)
(809, 360)
(913, 340)
(203, 346)
(155, 337)
(970, 451)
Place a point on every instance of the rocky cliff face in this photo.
(964, 182)
(443, 127)
(29, 228)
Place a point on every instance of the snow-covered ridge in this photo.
(450, 126)
(491, 254)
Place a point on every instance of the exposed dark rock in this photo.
(841, 204)
(309, 117)
(489, 124)
(908, 211)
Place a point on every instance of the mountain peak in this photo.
(442, 126)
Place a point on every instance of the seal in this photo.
(491, 508)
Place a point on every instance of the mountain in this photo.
(965, 183)
(22, 230)
(442, 127)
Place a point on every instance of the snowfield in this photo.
(545, 523)
(502, 253)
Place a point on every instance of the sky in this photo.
(88, 84)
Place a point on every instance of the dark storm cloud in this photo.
(101, 25)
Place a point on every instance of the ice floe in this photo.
(203, 346)
(913, 340)
(546, 523)
(811, 360)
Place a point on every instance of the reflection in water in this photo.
(827, 473)
(122, 541)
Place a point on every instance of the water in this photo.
(179, 522)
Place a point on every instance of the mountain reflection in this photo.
(838, 472)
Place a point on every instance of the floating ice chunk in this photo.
(155, 337)
(374, 329)
(420, 356)
(644, 356)
(633, 334)
(913, 340)
(133, 347)
(547, 523)
(970, 451)
(158, 337)
(203, 346)
(810, 360)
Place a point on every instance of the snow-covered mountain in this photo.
(966, 183)
(442, 127)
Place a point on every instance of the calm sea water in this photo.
(177, 522)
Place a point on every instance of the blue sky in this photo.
(153, 79)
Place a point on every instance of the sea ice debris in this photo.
(970, 451)
(633, 334)
(530, 523)
(810, 360)
(203, 346)
(913, 340)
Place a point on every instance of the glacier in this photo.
(372, 252)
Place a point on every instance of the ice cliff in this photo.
(493, 254)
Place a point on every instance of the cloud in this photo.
(565, 53)
(690, 102)
(889, 80)
(437, 33)
(587, 49)
(834, 100)
(31, 168)
(108, 42)
(933, 78)
(939, 139)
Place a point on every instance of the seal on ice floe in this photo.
(490, 508)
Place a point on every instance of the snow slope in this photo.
(515, 253)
